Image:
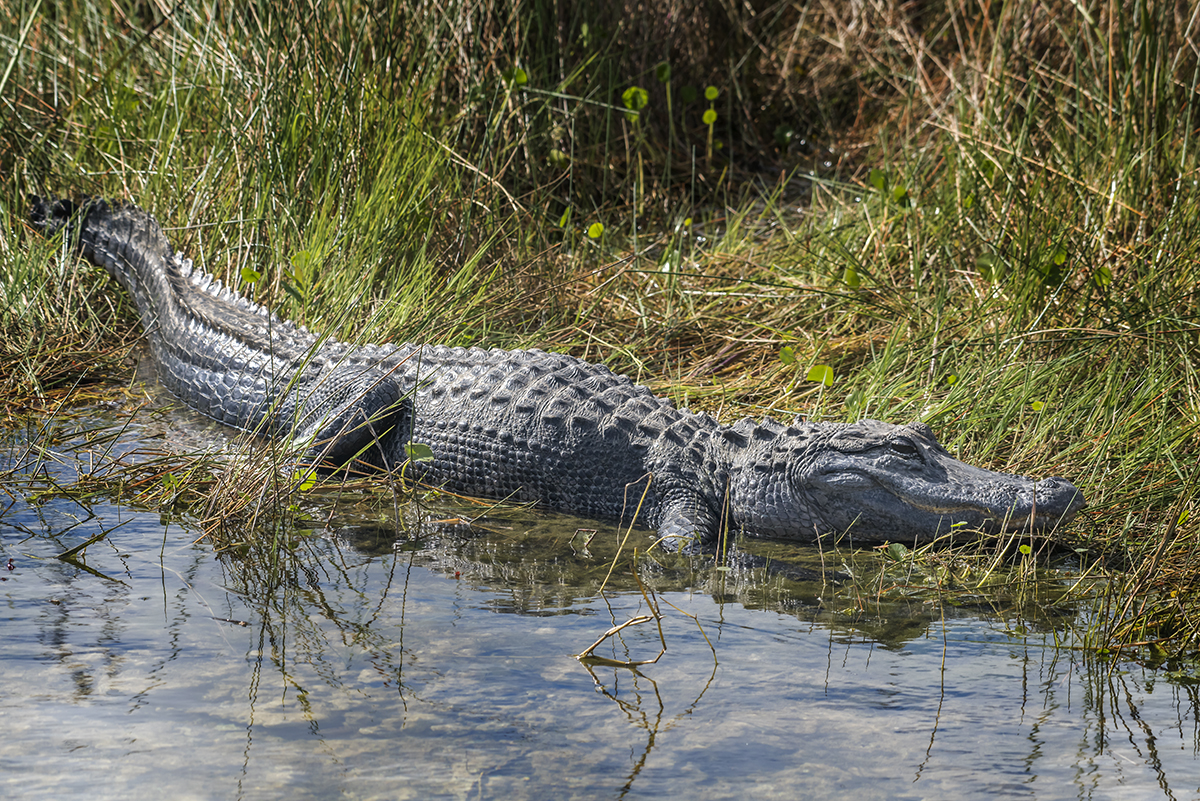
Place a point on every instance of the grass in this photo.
(997, 233)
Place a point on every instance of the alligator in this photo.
(547, 428)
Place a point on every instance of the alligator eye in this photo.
(905, 448)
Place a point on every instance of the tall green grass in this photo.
(997, 232)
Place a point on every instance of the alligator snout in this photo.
(1056, 500)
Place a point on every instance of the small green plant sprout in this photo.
(821, 374)
(251, 275)
(304, 480)
(515, 77)
(298, 280)
(990, 266)
(1025, 550)
(950, 380)
(559, 158)
(663, 72)
(898, 194)
(1054, 269)
(851, 278)
(1102, 277)
(595, 230)
(878, 179)
(635, 99)
(784, 134)
(987, 168)
(895, 552)
(710, 118)
(1037, 406)
(565, 219)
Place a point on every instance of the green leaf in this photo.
(900, 194)
(418, 451)
(1025, 550)
(301, 259)
(1037, 405)
(711, 92)
(969, 201)
(295, 293)
(787, 355)
(709, 117)
(1103, 276)
(250, 275)
(1060, 256)
(878, 179)
(951, 380)
(515, 76)
(896, 552)
(784, 135)
(822, 374)
(559, 158)
(565, 219)
(663, 72)
(850, 276)
(635, 98)
(304, 481)
(595, 230)
(1052, 271)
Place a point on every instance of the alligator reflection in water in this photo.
(443, 667)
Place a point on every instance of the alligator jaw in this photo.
(874, 482)
(921, 492)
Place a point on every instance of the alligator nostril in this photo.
(1058, 492)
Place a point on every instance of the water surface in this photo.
(442, 666)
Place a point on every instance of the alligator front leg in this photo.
(688, 524)
(346, 412)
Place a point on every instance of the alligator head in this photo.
(876, 482)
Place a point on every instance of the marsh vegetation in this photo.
(982, 216)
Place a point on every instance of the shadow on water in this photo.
(342, 653)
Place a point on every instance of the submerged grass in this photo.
(998, 233)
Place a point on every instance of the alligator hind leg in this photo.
(347, 415)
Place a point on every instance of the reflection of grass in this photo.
(1009, 256)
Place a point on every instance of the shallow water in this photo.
(443, 668)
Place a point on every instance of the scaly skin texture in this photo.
(541, 427)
